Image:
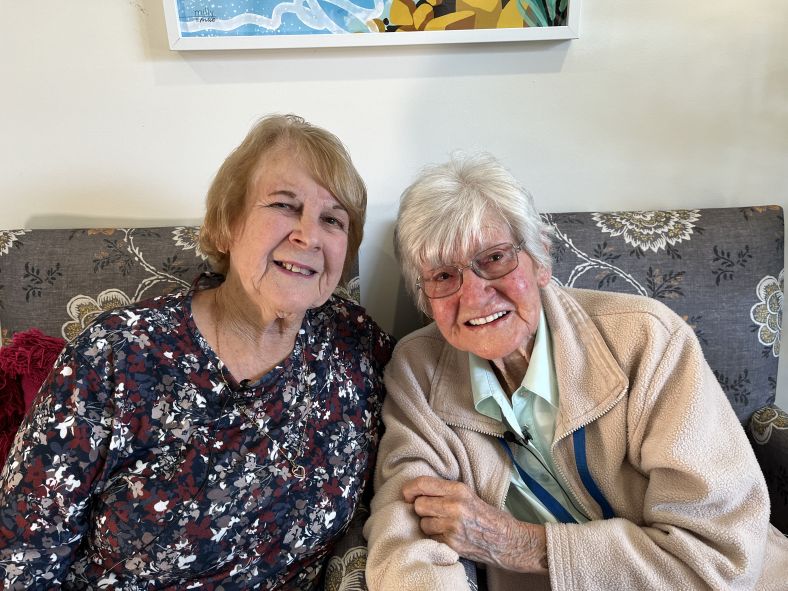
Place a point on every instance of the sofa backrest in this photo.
(719, 269)
(58, 281)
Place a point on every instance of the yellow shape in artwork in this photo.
(510, 17)
(487, 11)
(464, 19)
(401, 12)
(422, 15)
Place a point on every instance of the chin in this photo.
(490, 353)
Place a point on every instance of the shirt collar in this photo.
(489, 397)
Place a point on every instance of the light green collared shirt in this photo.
(534, 405)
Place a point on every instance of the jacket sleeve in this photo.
(416, 443)
(705, 510)
(51, 470)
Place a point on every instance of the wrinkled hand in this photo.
(451, 513)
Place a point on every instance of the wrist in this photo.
(529, 549)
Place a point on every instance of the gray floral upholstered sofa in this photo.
(719, 269)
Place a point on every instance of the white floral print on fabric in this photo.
(347, 573)
(764, 421)
(188, 238)
(83, 310)
(7, 239)
(649, 230)
(768, 312)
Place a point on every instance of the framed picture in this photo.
(250, 24)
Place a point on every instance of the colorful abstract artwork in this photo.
(228, 24)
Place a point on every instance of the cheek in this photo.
(337, 252)
(444, 313)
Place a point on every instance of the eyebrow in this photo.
(284, 192)
(293, 195)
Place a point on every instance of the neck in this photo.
(511, 369)
(247, 340)
(250, 318)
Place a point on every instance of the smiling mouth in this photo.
(487, 319)
(295, 268)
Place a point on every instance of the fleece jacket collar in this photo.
(581, 357)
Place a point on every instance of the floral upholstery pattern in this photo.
(59, 280)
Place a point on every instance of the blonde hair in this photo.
(443, 214)
(319, 151)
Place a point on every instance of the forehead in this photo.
(282, 172)
(280, 167)
(464, 245)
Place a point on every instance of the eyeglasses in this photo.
(491, 263)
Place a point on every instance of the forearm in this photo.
(514, 545)
(489, 535)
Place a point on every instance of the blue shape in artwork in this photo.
(201, 18)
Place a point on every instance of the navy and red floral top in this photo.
(141, 466)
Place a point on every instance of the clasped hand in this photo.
(451, 513)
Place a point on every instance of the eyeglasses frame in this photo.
(518, 248)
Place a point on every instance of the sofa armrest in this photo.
(768, 430)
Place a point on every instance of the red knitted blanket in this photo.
(24, 365)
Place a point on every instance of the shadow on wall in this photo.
(407, 317)
(69, 221)
(383, 292)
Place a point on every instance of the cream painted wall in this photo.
(660, 103)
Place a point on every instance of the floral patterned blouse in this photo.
(144, 465)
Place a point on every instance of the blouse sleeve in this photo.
(52, 470)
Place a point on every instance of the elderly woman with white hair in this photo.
(561, 438)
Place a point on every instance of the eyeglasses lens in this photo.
(492, 263)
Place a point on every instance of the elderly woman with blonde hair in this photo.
(557, 437)
(220, 437)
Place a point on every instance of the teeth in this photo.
(486, 319)
(296, 269)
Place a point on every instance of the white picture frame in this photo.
(189, 25)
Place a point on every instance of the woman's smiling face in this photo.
(289, 249)
(493, 318)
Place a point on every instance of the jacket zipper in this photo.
(567, 434)
(502, 504)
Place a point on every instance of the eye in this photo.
(332, 221)
(281, 205)
(490, 258)
(441, 276)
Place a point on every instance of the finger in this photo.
(429, 506)
(426, 485)
(432, 526)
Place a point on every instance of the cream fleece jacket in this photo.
(663, 445)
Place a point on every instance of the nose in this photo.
(306, 233)
(474, 288)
